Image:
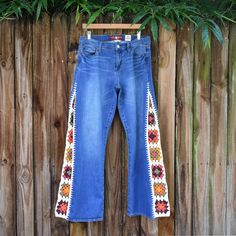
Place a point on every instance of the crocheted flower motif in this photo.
(70, 136)
(157, 171)
(65, 190)
(69, 154)
(155, 154)
(62, 207)
(151, 118)
(159, 189)
(153, 136)
(67, 172)
(161, 206)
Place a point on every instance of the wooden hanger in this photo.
(110, 26)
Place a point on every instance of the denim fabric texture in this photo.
(108, 75)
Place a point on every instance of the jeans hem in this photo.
(81, 219)
(148, 216)
(85, 219)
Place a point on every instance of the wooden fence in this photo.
(196, 91)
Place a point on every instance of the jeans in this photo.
(112, 74)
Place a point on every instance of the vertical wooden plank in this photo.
(7, 130)
(42, 105)
(166, 98)
(184, 125)
(201, 136)
(218, 149)
(231, 160)
(59, 112)
(24, 128)
(73, 40)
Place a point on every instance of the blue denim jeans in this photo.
(112, 74)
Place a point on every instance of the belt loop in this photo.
(128, 46)
(100, 47)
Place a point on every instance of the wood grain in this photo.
(24, 127)
(166, 113)
(42, 105)
(59, 111)
(184, 129)
(7, 130)
(201, 137)
(231, 159)
(218, 150)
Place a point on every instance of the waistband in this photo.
(103, 41)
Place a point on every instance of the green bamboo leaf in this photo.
(45, 4)
(154, 28)
(145, 22)
(39, 8)
(224, 17)
(205, 36)
(216, 31)
(77, 15)
(26, 6)
(164, 23)
(69, 4)
(93, 17)
(19, 11)
(139, 16)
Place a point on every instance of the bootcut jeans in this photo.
(112, 74)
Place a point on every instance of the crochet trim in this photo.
(63, 205)
(157, 173)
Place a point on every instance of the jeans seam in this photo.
(129, 152)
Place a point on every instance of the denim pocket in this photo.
(89, 50)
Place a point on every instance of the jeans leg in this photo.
(147, 187)
(94, 107)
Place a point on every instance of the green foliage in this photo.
(206, 15)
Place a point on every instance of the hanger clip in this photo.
(138, 35)
(88, 34)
